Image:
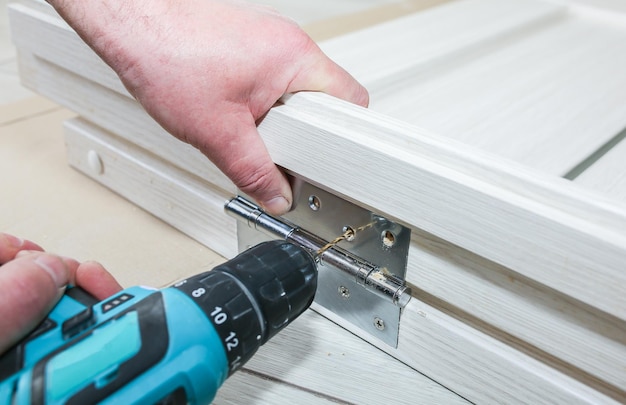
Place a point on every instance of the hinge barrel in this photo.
(372, 277)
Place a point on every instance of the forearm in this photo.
(113, 28)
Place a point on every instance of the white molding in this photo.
(433, 342)
(518, 274)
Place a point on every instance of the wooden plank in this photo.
(319, 356)
(44, 199)
(166, 198)
(119, 114)
(408, 45)
(511, 85)
(534, 101)
(541, 327)
(608, 175)
(245, 387)
(527, 213)
(482, 369)
(466, 358)
(506, 48)
(570, 336)
(542, 227)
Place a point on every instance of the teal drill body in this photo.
(169, 346)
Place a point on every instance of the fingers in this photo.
(31, 282)
(245, 160)
(93, 278)
(10, 245)
(30, 285)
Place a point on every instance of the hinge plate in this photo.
(380, 242)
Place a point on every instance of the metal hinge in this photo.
(361, 256)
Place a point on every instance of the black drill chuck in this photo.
(255, 295)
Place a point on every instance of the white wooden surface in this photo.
(608, 174)
(526, 80)
(518, 275)
(435, 342)
(313, 361)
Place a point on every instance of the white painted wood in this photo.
(193, 205)
(319, 356)
(520, 273)
(480, 367)
(525, 80)
(407, 45)
(529, 317)
(46, 201)
(504, 48)
(507, 319)
(608, 175)
(248, 388)
(545, 228)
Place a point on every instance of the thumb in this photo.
(243, 157)
(320, 73)
(29, 287)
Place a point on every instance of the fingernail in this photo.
(23, 253)
(277, 205)
(14, 241)
(55, 267)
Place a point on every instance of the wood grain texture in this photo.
(518, 273)
(115, 110)
(515, 78)
(608, 175)
(574, 338)
(47, 201)
(298, 361)
(319, 356)
(193, 206)
(482, 369)
(482, 363)
(545, 228)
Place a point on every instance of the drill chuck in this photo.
(170, 346)
(255, 295)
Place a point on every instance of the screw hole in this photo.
(314, 203)
(349, 233)
(388, 238)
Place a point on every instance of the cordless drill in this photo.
(171, 346)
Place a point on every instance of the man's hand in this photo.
(32, 281)
(207, 70)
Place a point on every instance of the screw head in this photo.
(379, 323)
(344, 291)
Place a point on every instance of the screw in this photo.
(388, 238)
(379, 323)
(349, 233)
(344, 292)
